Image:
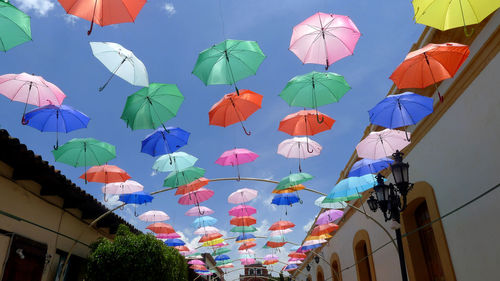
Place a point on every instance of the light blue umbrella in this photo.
(335, 205)
(277, 239)
(369, 166)
(350, 188)
(204, 221)
(174, 162)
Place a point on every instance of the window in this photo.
(250, 271)
(336, 269)
(320, 276)
(364, 261)
(259, 272)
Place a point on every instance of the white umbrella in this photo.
(121, 62)
(382, 144)
(154, 216)
(335, 205)
(299, 147)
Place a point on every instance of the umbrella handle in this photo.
(407, 138)
(307, 146)
(24, 121)
(322, 119)
(91, 26)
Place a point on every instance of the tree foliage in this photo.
(134, 257)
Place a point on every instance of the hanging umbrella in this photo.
(244, 236)
(174, 242)
(243, 221)
(292, 180)
(168, 236)
(270, 262)
(204, 221)
(182, 249)
(206, 230)
(290, 267)
(280, 232)
(235, 107)
(213, 242)
(297, 255)
(15, 26)
(242, 195)
(183, 177)
(293, 188)
(228, 62)
(164, 140)
(324, 39)
(221, 251)
(314, 242)
(222, 258)
(299, 148)
(236, 157)
(248, 261)
(198, 267)
(196, 262)
(52, 118)
(106, 174)
(199, 211)
(324, 229)
(138, 197)
(242, 210)
(280, 225)
(304, 123)
(335, 205)
(247, 251)
(429, 65)
(103, 12)
(30, 89)
(209, 237)
(285, 199)
(126, 187)
(243, 229)
(121, 62)
(350, 188)
(271, 257)
(154, 216)
(369, 166)
(329, 216)
(382, 144)
(277, 238)
(161, 227)
(174, 162)
(149, 107)
(192, 186)
(196, 197)
(247, 245)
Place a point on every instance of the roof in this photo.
(29, 166)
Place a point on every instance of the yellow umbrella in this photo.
(319, 237)
(213, 242)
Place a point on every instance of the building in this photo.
(255, 272)
(42, 213)
(210, 263)
(454, 157)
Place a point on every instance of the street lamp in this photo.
(388, 199)
(308, 267)
(316, 259)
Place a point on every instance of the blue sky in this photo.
(167, 37)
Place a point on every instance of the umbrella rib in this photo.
(15, 24)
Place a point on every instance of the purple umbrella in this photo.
(329, 216)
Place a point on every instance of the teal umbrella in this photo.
(350, 188)
(174, 162)
(15, 26)
(244, 229)
(293, 179)
(183, 177)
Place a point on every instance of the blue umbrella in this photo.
(51, 118)
(204, 221)
(139, 197)
(222, 258)
(285, 199)
(290, 267)
(245, 236)
(174, 242)
(401, 110)
(304, 249)
(369, 166)
(350, 188)
(163, 141)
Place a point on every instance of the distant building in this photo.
(210, 264)
(255, 272)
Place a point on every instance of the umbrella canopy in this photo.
(329, 216)
(290, 189)
(164, 140)
(285, 199)
(401, 110)
(154, 216)
(228, 62)
(382, 144)
(292, 180)
(324, 39)
(290, 267)
(243, 229)
(121, 62)
(106, 174)
(297, 148)
(334, 205)
(85, 152)
(196, 262)
(280, 232)
(244, 236)
(15, 26)
(149, 107)
(243, 221)
(294, 262)
(324, 229)
(278, 238)
(204, 221)
(213, 242)
(306, 123)
(196, 197)
(128, 186)
(192, 186)
(161, 227)
(271, 257)
(248, 261)
(369, 166)
(183, 177)
(247, 245)
(174, 242)
(209, 237)
(350, 188)
(297, 255)
(221, 251)
(199, 211)
(182, 249)
(270, 262)
(235, 157)
(280, 225)
(174, 162)
(168, 235)
(138, 197)
(206, 230)
(242, 195)
(242, 210)
(314, 242)
(319, 237)
(222, 258)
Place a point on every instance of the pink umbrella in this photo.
(199, 211)
(125, 187)
(30, 89)
(382, 144)
(280, 232)
(324, 39)
(246, 251)
(196, 197)
(173, 235)
(196, 262)
(236, 157)
(329, 216)
(154, 216)
(206, 230)
(314, 242)
(299, 148)
(271, 257)
(247, 261)
(294, 262)
(242, 195)
(242, 210)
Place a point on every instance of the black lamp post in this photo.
(388, 200)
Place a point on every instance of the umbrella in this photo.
(310, 247)
(209, 237)
(138, 197)
(335, 205)
(242, 195)
(222, 258)
(244, 236)
(270, 262)
(149, 107)
(199, 210)
(246, 251)
(192, 186)
(103, 12)
(294, 262)
(15, 26)
(126, 187)
(233, 108)
(161, 227)
(297, 255)
(315, 89)
(105, 174)
(164, 140)
(182, 249)
(174, 242)
(324, 39)
(247, 245)
(221, 251)
(183, 177)
(285, 199)
(248, 261)
(174, 162)
(196, 197)
(121, 62)
(196, 262)
(290, 189)
(213, 242)
(382, 144)
(429, 65)
(292, 180)
(324, 229)
(242, 210)
(369, 166)
(206, 230)
(290, 267)
(168, 236)
(271, 257)
(329, 216)
(228, 62)
(236, 157)
(30, 89)
(299, 147)
(304, 123)
(154, 216)
(280, 232)
(350, 188)
(243, 221)
(53, 118)
(281, 225)
(243, 229)
(204, 221)
(277, 238)
(314, 242)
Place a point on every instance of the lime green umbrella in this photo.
(183, 177)
(149, 107)
(228, 62)
(15, 26)
(244, 229)
(221, 251)
(293, 179)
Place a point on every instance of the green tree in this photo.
(134, 257)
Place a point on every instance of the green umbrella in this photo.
(183, 177)
(149, 107)
(228, 62)
(15, 26)
(293, 179)
(221, 251)
(244, 229)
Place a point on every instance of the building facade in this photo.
(454, 157)
(255, 272)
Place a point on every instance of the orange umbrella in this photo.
(429, 65)
(234, 107)
(272, 244)
(182, 248)
(104, 12)
(198, 267)
(324, 229)
(280, 225)
(290, 189)
(192, 186)
(247, 245)
(210, 237)
(243, 221)
(246, 240)
(296, 255)
(161, 227)
(269, 262)
(319, 237)
(305, 123)
(106, 174)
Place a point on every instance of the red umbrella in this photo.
(106, 174)
(161, 227)
(280, 225)
(182, 248)
(305, 123)
(243, 221)
(198, 267)
(324, 229)
(247, 245)
(210, 237)
(296, 255)
(272, 244)
(192, 186)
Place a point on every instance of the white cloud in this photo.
(268, 203)
(308, 225)
(169, 7)
(41, 7)
(112, 202)
(262, 230)
(70, 19)
(191, 244)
